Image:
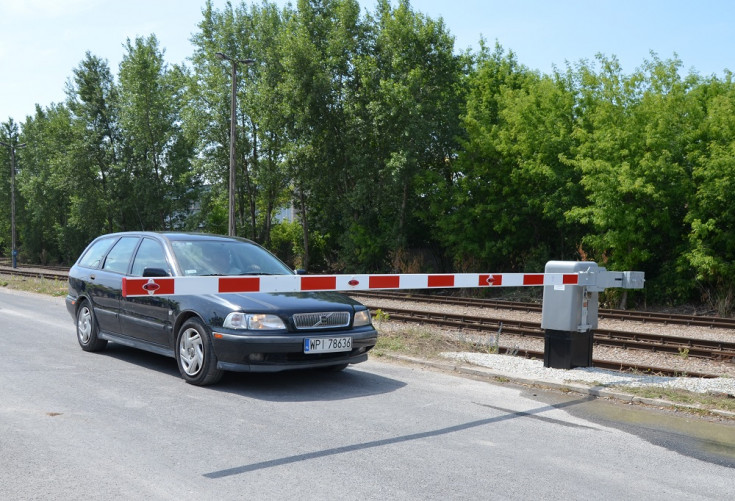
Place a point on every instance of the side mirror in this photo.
(300, 271)
(155, 272)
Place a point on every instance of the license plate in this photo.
(327, 344)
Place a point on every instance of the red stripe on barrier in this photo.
(489, 280)
(570, 279)
(239, 284)
(440, 281)
(147, 286)
(537, 279)
(384, 282)
(167, 287)
(318, 283)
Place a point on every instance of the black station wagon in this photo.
(211, 333)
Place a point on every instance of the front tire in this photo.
(87, 330)
(195, 354)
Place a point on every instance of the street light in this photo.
(221, 55)
(13, 250)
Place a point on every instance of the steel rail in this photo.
(48, 274)
(677, 345)
(611, 314)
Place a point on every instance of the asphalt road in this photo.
(123, 425)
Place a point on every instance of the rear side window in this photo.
(150, 255)
(96, 252)
(119, 257)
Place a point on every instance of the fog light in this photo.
(256, 357)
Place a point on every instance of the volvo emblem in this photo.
(323, 318)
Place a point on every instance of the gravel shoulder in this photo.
(519, 367)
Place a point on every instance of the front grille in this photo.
(324, 320)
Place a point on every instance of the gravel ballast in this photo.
(533, 369)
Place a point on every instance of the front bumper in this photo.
(274, 353)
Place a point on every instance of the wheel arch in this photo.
(79, 301)
(180, 320)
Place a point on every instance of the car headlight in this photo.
(253, 321)
(362, 317)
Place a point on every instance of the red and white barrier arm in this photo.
(133, 287)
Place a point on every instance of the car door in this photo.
(105, 284)
(88, 269)
(148, 318)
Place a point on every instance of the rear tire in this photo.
(87, 330)
(195, 354)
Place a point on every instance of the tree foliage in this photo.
(365, 142)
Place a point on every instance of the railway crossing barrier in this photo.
(568, 316)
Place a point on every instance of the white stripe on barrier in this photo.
(133, 287)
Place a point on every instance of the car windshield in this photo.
(225, 257)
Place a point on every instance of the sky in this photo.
(42, 41)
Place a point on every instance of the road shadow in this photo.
(311, 385)
(500, 414)
(141, 358)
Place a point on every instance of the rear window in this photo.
(118, 258)
(92, 258)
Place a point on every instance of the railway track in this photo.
(675, 345)
(35, 271)
(699, 348)
(640, 316)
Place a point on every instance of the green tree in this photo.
(240, 33)
(207, 114)
(46, 187)
(10, 135)
(410, 96)
(268, 111)
(92, 98)
(155, 154)
(535, 134)
(487, 221)
(319, 41)
(632, 136)
(711, 214)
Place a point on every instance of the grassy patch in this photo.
(55, 288)
(426, 342)
(706, 401)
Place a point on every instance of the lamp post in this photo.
(13, 250)
(233, 123)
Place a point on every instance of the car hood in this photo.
(285, 302)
